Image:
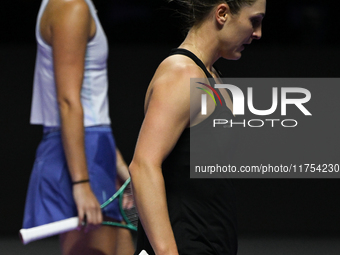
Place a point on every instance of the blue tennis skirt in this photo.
(49, 196)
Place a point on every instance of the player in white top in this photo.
(70, 101)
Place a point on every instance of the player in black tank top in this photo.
(180, 215)
(202, 211)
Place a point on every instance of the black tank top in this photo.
(202, 211)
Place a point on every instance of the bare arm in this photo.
(167, 115)
(70, 29)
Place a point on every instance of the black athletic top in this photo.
(201, 211)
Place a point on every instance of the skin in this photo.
(67, 26)
(167, 110)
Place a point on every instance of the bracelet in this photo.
(81, 181)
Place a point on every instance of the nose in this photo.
(257, 33)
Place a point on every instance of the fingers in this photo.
(89, 212)
(90, 218)
(81, 217)
(93, 214)
(125, 202)
(128, 201)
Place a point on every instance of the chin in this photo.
(237, 57)
(234, 56)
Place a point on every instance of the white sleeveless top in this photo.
(44, 110)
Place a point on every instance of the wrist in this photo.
(81, 181)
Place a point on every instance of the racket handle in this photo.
(47, 230)
(143, 253)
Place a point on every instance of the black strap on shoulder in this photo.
(198, 62)
(193, 57)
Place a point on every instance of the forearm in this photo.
(72, 130)
(150, 197)
(74, 146)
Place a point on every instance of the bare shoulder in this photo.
(62, 8)
(179, 65)
(171, 80)
(67, 16)
(68, 3)
(176, 70)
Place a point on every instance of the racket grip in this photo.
(47, 230)
(143, 253)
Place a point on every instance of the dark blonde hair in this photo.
(195, 11)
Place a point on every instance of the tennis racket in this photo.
(127, 209)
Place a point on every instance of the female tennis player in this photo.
(77, 161)
(179, 215)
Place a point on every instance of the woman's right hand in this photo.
(88, 207)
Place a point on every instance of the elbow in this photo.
(140, 169)
(133, 169)
(67, 105)
(64, 102)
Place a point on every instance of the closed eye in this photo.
(257, 20)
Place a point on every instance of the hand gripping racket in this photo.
(126, 206)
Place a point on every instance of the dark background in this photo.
(299, 40)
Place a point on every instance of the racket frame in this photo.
(120, 196)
